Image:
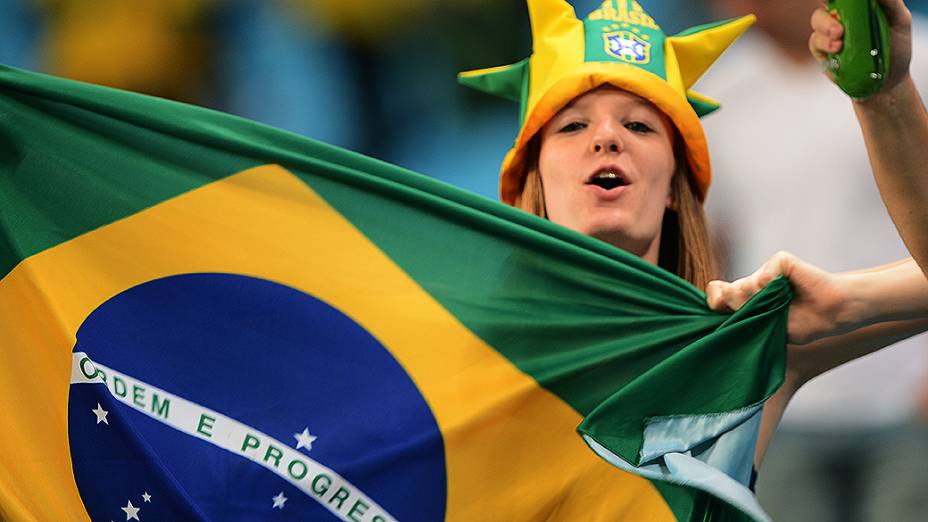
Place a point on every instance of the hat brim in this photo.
(633, 79)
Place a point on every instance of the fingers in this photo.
(827, 23)
(727, 297)
(716, 296)
(827, 34)
(781, 263)
(821, 45)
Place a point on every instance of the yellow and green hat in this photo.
(617, 44)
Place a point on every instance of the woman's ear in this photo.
(680, 172)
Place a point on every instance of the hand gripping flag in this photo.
(203, 318)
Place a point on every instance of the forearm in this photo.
(893, 292)
(895, 129)
(879, 268)
(770, 418)
(811, 360)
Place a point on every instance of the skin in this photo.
(608, 129)
(895, 129)
(825, 304)
(613, 130)
(835, 318)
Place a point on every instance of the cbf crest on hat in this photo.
(617, 44)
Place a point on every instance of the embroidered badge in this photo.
(627, 46)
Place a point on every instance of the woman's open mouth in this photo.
(608, 180)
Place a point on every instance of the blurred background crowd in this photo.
(374, 76)
(378, 77)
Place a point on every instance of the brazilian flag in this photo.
(204, 318)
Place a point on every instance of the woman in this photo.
(611, 146)
(605, 166)
(610, 135)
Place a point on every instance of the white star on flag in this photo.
(101, 414)
(131, 511)
(146, 497)
(304, 439)
(279, 500)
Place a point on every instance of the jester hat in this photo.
(617, 44)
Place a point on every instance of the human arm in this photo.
(837, 317)
(826, 304)
(808, 361)
(894, 125)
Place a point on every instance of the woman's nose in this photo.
(607, 145)
(607, 139)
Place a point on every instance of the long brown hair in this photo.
(685, 248)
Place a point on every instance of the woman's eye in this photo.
(637, 126)
(573, 126)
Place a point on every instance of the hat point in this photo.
(696, 49)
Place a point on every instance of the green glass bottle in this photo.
(863, 63)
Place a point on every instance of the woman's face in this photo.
(606, 162)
